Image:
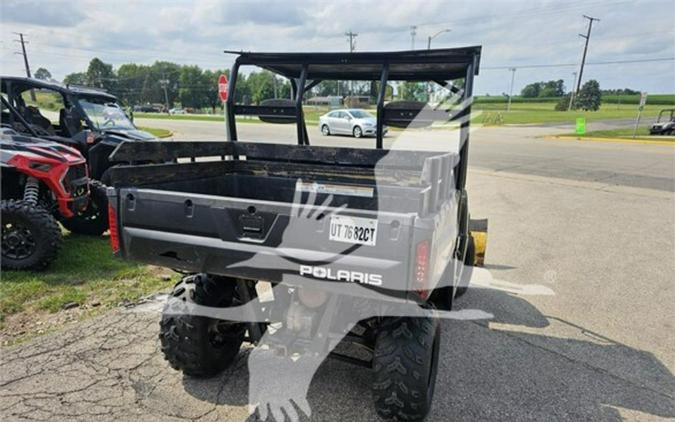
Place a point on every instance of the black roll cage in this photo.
(437, 65)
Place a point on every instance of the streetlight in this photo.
(431, 37)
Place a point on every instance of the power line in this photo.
(583, 58)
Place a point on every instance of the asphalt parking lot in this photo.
(593, 221)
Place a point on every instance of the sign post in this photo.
(222, 94)
(643, 101)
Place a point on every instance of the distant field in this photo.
(537, 113)
(493, 112)
(656, 99)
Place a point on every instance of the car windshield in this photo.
(360, 114)
(105, 114)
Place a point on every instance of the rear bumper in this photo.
(345, 274)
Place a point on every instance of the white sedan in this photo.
(353, 121)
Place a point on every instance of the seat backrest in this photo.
(69, 125)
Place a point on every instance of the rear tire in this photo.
(200, 346)
(325, 130)
(405, 362)
(357, 132)
(94, 221)
(31, 237)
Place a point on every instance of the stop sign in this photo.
(222, 88)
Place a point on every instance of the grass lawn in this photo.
(625, 133)
(537, 113)
(160, 133)
(491, 113)
(85, 274)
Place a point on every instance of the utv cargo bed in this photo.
(210, 216)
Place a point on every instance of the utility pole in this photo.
(583, 58)
(164, 83)
(352, 46)
(569, 106)
(413, 32)
(23, 51)
(25, 60)
(513, 77)
(352, 40)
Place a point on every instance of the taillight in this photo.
(112, 225)
(422, 268)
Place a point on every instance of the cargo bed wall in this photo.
(407, 181)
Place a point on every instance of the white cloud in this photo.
(65, 35)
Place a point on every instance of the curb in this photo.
(598, 139)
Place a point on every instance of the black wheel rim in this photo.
(17, 241)
(92, 213)
(220, 333)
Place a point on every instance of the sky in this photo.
(64, 35)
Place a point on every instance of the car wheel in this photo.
(31, 237)
(325, 130)
(357, 132)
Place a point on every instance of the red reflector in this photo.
(112, 225)
(422, 268)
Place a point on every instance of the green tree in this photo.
(544, 89)
(130, 80)
(531, 90)
(564, 103)
(589, 97)
(192, 87)
(552, 88)
(412, 91)
(164, 71)
(77, 78)
(100, 75)
(261, 85)
(42, 74)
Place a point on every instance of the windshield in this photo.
(360, 114)
(105, 114)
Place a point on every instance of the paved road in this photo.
(601, 348)
(523, 150)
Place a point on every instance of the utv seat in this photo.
(69, 125)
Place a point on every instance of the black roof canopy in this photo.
(413, 65)
(22, 83)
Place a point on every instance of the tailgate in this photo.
(260, 239)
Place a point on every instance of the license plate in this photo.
(354, 230)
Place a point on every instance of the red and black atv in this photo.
(42, 181)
